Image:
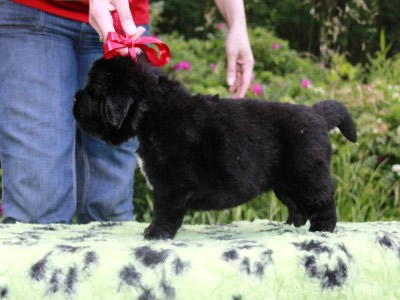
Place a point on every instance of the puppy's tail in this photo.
(337, 115)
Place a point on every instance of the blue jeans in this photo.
(51, 169)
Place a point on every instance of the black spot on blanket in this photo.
(180, 244)
(345, 251)
(32, 235)
(335, 277)
(89, 259)
(240, 242)
(266, 259)
(81, 238)
(178, 266)
(54, 281)
(230, 255)
(38, 270)
(388, 241)
(168, 290)
(147, 295)
(109, 224)
(245, 265)
(226, 237)
(3, 292)
(266, 256)
(314, 246)
(71, 280)
(270, 230)
(45, 228)
(237, 297)
(149, 257)
(310, 266)
(385, 241)
(255, 268)
(329, 278)
(28, 238)
(245, 244)
(70, 249)
(130, 276)
(259, 270)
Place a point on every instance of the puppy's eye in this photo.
(74, 100)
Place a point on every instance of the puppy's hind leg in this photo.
(297, 214)
(317, 197)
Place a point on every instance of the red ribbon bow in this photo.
(119, 39)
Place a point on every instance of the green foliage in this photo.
(323, 28)
(189, 18)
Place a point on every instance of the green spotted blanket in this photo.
(258, 260)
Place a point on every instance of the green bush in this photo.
(318, 27)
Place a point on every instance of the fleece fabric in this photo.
(243, 260)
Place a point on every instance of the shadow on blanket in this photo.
(258, 260)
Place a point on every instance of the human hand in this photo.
(240, 61)
(101, 20)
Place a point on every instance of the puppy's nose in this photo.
(78, 94)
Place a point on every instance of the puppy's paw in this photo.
(296, 219)
(157, 233)
(328, 226)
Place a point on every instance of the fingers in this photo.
(238, 80)
(124, 51)
(231, 67)
(125, 18)
(244, 69)
(247, 69)
(100, 18)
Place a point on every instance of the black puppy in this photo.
(205, 153)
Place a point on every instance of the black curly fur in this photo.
(203, 153)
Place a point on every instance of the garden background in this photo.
(305, 51)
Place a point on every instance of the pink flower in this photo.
(1, 208)
(275, 46)
(183, 65)
(213, 67)
(257, 89)
(305, 83)
(220, 26)
(380, 159)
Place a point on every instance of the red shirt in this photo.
(79, 10)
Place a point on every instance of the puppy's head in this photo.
(108, 107)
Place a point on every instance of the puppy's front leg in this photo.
(166, 221)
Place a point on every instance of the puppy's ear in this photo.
(116, 108)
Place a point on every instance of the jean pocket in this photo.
(17, 16)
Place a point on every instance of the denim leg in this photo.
(104, 173)
(38, 78)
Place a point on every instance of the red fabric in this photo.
(78, 10)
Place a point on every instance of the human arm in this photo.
(239, 54)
